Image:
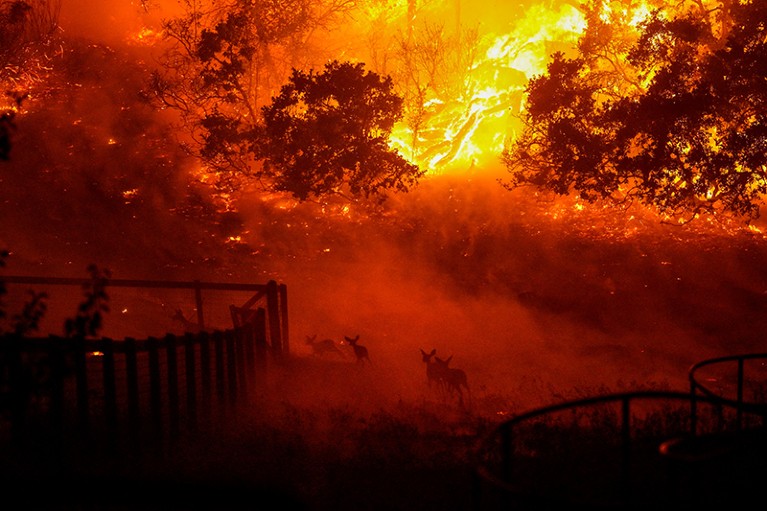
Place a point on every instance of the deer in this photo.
(320, 348)
(434, 370)
(361, 352)
(454, 378)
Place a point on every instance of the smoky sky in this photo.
(531, 295)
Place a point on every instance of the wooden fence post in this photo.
(249, 338)
(17, 388)
(218, 347)
(155, 387)
(283, 292)
(231, 364)
(81, 386)
(241, 338)
(191, 379)
(132, 384)
(110, 390)
(57, 351)
(171, 358)
(273, 308)
(205, 373)
(259, 335)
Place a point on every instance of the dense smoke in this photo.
(533, 297)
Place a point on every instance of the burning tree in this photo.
(224, 63)
(28, 31)
(434, 74)
(327, 133)
(661, 106)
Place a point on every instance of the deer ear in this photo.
(434, 351)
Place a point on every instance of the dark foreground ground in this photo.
(535, 312)
(309, 449)
(332, 440)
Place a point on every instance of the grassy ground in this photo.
(336, 438)
(319, 450)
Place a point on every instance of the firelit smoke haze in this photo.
(532, 296)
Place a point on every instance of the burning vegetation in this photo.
(562, 197)
(340, 102)
(160, 149)
(243, 140)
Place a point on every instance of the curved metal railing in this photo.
(755, 404)
(603, 451)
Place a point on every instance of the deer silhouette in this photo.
(434, 370)
(455, 379)
(361, 352)
(320, 348)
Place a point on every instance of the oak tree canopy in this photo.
(219, 71)
(328, 133)
(674, 116)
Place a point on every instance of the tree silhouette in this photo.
(28, 41)
(328, 133)
(6, 126)
(3, 255)
(89, 318)
(674, 119)
(223, 61)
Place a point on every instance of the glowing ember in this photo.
(130, 194)
(145, 36)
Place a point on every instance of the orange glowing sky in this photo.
(491, 47)
(513, 288)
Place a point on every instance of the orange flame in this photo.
(461, 132)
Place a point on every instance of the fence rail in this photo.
(275, 295)
(617, 451)
(753, 403)
(632, 450)
(128, 393)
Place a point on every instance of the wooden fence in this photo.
(135, 395)
(272, 295)
(129, 393)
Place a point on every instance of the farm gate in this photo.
(136, 394)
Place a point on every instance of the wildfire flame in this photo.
(466, 119)
(471, 107)
(472, 128)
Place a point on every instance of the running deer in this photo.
(320, 348)
(454, 378)
(434, 370)
(361, 352)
